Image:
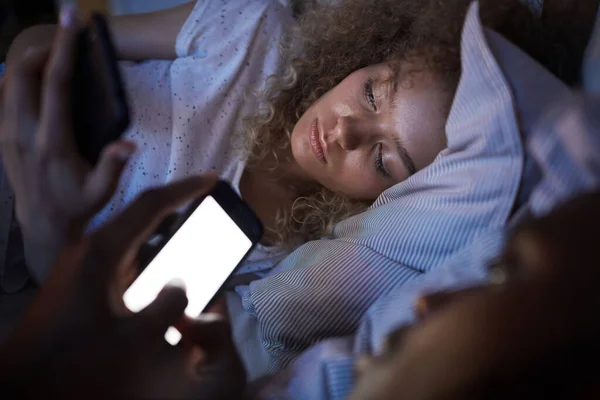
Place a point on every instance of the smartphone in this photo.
(202, 248)
(100, 109)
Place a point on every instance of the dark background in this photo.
(16, 15)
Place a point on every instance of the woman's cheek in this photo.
(359, 184)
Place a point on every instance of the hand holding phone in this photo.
(202, 249)
(73, 342)
(51, 207)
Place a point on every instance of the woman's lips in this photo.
(315, 142)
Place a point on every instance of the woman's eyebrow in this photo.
(392, 89)
(404, 156)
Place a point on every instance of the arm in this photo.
(136, 37)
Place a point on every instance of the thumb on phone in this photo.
(166, 310)
(210, 330)
(210, 346)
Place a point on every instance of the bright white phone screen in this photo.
(202, 253)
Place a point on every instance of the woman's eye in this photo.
(379, 167)
(369, 96)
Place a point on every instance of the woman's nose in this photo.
(347, 133)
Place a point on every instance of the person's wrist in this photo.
(41, 248)
(44, 233)
(40, 256)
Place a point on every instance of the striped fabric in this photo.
(568, 152)
(323, 289)
(561, 134)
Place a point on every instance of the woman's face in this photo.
(369, 133)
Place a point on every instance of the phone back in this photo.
(100, 109)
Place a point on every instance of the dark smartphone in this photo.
(100, 109)
(202, 248)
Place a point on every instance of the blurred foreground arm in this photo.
(137, 37)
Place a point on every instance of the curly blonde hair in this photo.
(330, 42)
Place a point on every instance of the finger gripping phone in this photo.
(202, 248)
(100, 109)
